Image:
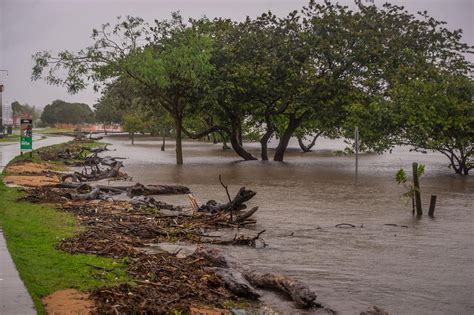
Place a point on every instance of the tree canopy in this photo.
(322, 70)
(70, 113)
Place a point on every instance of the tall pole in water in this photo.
(356, 138)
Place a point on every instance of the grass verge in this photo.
(10, 138)
(32, 232)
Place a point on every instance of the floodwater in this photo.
(424, 268)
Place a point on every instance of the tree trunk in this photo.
(308, 148)
(133, 138)
(239, 134)
(224, 141)
(179, 135)
(163, 145)
(238, 148)
(286, 136)
(264, 143)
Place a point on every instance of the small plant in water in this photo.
(402, 179)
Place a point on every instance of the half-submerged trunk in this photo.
(164, 143)
(307, 148)
(179, 135)
(293, 123)
(235, 141)
(268, 134)
(264, 143)
(459, 162)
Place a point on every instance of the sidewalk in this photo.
(14, 298)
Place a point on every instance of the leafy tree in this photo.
(418, 90)
(132, 123)
(167, 61)
(438, 115)
(70, 113)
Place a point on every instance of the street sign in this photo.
(26, 135)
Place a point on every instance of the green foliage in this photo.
(70, 113)
(33, 230)
(133, 122)
(323, 70)
(401, 178)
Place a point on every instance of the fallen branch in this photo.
(294, 289)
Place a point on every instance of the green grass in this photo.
(32, 232)
(10, 138)
(35, 157)
(53, 130)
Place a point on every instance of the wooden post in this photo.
(432, 205)
(416, 185)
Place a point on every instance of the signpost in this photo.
(26, 135)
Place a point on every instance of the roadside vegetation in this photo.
(33, 231)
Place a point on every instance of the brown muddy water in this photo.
(424, 268)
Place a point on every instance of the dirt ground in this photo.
(31, 174)
(68, 302)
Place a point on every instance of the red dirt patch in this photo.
(31, 181)
(21, 167)
(68, 302)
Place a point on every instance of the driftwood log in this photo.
(239, 277)
(235, 204)
(149, 189)
(92, 195)
(150, 202)
(95, 175)
(242, 240)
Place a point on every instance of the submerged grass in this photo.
(32, 232)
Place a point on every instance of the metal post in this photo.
(356, 137)
(1, 105)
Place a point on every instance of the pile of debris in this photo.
(121, 221)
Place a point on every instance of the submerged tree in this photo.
(167, 62)
(321, 71)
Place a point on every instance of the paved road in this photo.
(14, 298)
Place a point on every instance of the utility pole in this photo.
(2, 88)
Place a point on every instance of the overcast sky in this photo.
(28, 26)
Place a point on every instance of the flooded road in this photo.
(424, 268)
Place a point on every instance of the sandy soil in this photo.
(31, 180)
(29, 167)
(31, 174)
(68, 302)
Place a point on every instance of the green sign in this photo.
(26, 135)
